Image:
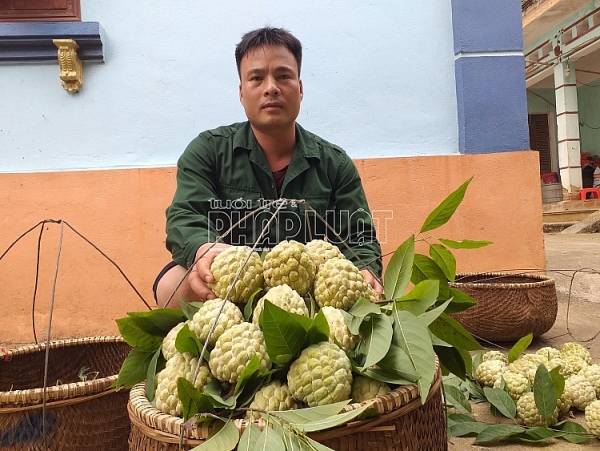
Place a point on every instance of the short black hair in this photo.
(268, 36)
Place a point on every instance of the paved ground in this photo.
(564, 255)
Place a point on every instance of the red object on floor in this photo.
(583, 193)
(549, 177)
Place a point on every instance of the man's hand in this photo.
(371, 280)
(200, 275)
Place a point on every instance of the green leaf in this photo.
(465, 244)
(430, 316)
(457, 399)
(453, 333)
(444, 259)
(458, 418)
(135, 333)
(460, 301)
(153, 368)
(249, 438)
(578, 434)
(467, 360)
(444, 211)
(248, 309)
(425, 268)
(359, 311)
(319, 424)
(538, 434)
(187, 341)
(387, 376)
(519, 347)
(398, 272)
(477, 359)
(474, 391)
(192, 399)
(302, 443)
(452, 359)
(467, 428)
(318, 331)
(269, 440)
(497, 432)
(135, 368)
(164, 319)
(189, 309)
(426, 292)
(501, 401)
(397, 362)
(284, 335)
(377, 336)
(413, 338)
(558, 380)
(213, 391)
(222, 438)
(544, 392)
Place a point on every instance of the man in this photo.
(227, 173)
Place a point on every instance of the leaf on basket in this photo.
(192, 399)
(135, 332)
(430, 316)
(249, 438)
(134, 369)
(164, 319)
(359, 311)
(398, 363)
(519, 347)
(452, 360)
(398, 272)
(318, 330)
(284, 334)
(156, 364)
(269, 440)
(295, 442)
(376, 335)
(223, 437)
(321, 423)
(187, 341)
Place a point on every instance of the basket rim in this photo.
(35, 396)
(168, 427)
(537, 280)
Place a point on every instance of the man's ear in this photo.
(240, 94)
(301, 89)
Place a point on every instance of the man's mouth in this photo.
(271, 105)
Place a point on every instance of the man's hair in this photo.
(268, 36)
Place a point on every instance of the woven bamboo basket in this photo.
(79, 415)
(404, 425)
(509, 306)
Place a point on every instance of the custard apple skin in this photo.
(339, 284)
(516, 384)
(365, 388)
(494, 355)
(548, 352)
(592, 374)
(283, 297)
(204, 318)
(168, 345)
(225, 267)
(180, 365)
(371, 294)
(574, 348)
(592, 417)
(489, 372)
(338, 329)
(234, 349)
(579, 391)
(289, 263)
(530, 415)
(320, 251)
(272, 397)
(321, 375)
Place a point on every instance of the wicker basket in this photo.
(405, 424)
(80, 415)
(509, 306)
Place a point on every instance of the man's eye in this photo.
(256, 78)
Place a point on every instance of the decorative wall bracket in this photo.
(71, 67)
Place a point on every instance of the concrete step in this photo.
(556, 227)
(566, 215)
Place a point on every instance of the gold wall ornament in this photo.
(71, 67)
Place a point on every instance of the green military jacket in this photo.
(223, 175)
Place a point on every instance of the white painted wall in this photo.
(378, 79)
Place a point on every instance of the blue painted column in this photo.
(490, 76)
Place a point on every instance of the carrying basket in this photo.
(82, 415)
(404, 425)
(509, 306)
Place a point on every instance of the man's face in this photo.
(270, 88)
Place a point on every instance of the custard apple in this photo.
(365, 388)
(234, 349)
(523, 366)
(548, 352)
(321, 375)
(592, 374)
(489, 372)
(573, 348)
(579, 391)
(371, 294)
(289, 263)
(516, 384)
(225, 267)
(339, 284)
(168, 344)
(531, 416)
(494, 355)
(204, 318)
(283, 297)
(320, 251)
(271, 397)
(338, 329)
(180, 365)
(592, 417)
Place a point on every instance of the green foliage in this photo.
(187, 341)
(544, 392)
(519, 347)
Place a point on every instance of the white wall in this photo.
(378, 79)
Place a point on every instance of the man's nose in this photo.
(271, 88)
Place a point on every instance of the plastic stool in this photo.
(583, 193)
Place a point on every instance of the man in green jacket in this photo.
(226, 173)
